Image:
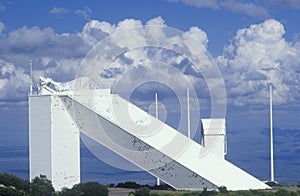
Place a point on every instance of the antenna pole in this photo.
(156, 106)
(188, 113)
(271, 134)
(31, 80)
(156, 115)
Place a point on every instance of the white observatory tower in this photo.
(54, 143)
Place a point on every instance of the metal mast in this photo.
(271, 134)
(156, 115)
(188, 113)
(31, 80)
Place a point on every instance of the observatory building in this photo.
(59, 112)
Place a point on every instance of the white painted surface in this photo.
(54, 141)
(214, 136)
(40, 136)
(211, 166)
(65, 146)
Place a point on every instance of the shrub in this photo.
(132, 185)
(223, 189)
(282, 192)
(88, 189)
(41, 186)
(131, 194)
(143, 191)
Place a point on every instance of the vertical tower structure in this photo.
(54, 140)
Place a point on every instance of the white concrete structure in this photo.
(214, 136)
(130, 132)
(54, 143)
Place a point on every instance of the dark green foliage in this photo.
(273, 184)
(11, 180)
(241, 193)
(87, 189)
(223, 189)
(11, 191)
(162, 187)
(131, 194)
(260, 193)
(205, 192)
(134, 185)
(194, 193)
(294, 194)
(111, 185)
(41, 186)
(282, 192)
(131, 185)
(12, 185)
(142, 191)
(68, 192)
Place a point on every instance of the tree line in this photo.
(12, 185)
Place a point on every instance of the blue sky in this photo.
(252, 42)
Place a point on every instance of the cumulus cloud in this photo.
(156, 21)
(259, 55)
(53, 55)
(59, 55)
(250, 9)
(84, 13)
(135, 54)
(94, 31)
(13, 82)
(130, 34)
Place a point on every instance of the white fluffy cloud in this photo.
(259, 55)
(52, 55)
(12, 82)
(59, 55)
(142, 49)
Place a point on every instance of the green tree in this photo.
(292, 193)
(41, 186)
(11, 191)
(68, 192)
(223, 189)
(11, 180)
(87, 189)
(131, 193)
(132, 185)
(142, 191)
